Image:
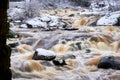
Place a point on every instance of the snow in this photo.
(45, 52)
(17, 4)
(45, 21)
(23, 26)
(45, 18)
(36, 22)
(15, 13)
(92, 13)
(96, 7)
(109, 19)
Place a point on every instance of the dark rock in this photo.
(71, 15)
(109, 62)
(47, 63)
(12, 34)
(88, 51)
(59, 62)
(118, 22)
(94, 23)
(94, 39)
(101, 5)
(78, 44)
(71, 29)
(42, 54)
(13, 45)
(29, 26)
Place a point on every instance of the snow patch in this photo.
(109, 19)
(45, 52)
(16, 13)
(36, 22)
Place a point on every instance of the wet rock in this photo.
(71, 29)
(78, 44)
(87, 51)
(94, 39)
(109, 62)
(13, 45)
(94, 23)
(23, 26)
(118, 22)
(35, 23)
(12, 34)
(71, 15)
(42, 54)
(59, 62)
(47, 63)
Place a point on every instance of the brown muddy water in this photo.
(95, 42)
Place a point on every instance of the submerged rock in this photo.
(109, 62)
(13, 45)
(59, 62)
(42, 54)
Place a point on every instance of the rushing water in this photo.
(64, 43)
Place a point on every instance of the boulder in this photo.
(35, 23)
(46, 22)
(23, 26)
(42, 54)
(59, 62)
(109, 62)
(13, 45)
(109, 19)
(13, 34)
(16, 14)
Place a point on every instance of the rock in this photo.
(23, 26)
(109, 19)
(59, 62)
(47, 63)
(42, 54)
(16, 14)
(71, 29)
(36, 22)
(71, 15)
(109, 62)
(46, 21)
(12, 34)
(13, 45)
(87, 51)
(118, 23)
(45, 18)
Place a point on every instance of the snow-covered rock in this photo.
(23, 26)
(100, 6)
(45, 18)
(36, 22)
(45, 21)
(42, 54)
(109, 19)
(16, 14)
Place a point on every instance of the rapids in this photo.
(94, 45)
(82, 47)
